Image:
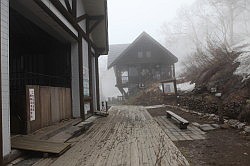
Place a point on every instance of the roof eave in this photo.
(102, 31)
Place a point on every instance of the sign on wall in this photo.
(32, 104)
(169, 87)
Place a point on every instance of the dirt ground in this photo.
(222, 147)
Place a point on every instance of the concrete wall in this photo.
(5, 75)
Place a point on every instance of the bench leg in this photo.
(183, 126)
(168, 116)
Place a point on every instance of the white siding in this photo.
(75, 80)
(5, 75)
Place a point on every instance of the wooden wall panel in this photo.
(55, 106)
(45, 106)
(68, 103)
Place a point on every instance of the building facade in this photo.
(141, 63)
(49, 61)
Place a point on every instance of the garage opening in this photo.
(42, 63)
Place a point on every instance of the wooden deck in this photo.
(128, 136)
(27, 143)
(175, 134)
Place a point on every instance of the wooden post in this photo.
(97, 83)
(80, 64)
(90, 66)
(1, 111)
(173, 70)
(90, 78)
(106, 106)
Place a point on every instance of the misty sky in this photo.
(128, 18)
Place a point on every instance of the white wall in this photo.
(75, 80)
(5, 75)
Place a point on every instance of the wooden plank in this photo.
(45, 106)
(67, 101)
(54, 104)
(25, 143)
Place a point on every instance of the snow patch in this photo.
(244, 59)
(186, 86)
(244, 68)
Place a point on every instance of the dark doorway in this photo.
(36, 58)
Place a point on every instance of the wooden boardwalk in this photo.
(129, 136)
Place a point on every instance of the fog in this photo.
(183, 27)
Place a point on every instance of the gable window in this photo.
(148, 54)
(140, 54)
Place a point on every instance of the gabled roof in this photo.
(114, 51)
(121, 50)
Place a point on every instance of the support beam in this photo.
(97, 83)
(73, 21)
(1, 111)
(90, 71)
(97, 17)
(80, 63)
(74, 8)
(173, 71)
(94, 25)
(90, 79)
(68, 6)
(55, 18)
(81, 18)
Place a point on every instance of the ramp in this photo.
(31, 144)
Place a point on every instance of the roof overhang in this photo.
(99, 35)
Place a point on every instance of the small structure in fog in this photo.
(140, 64)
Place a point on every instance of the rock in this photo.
(216, 118)
(196, 124)
(233, 123)
(225, 121)
(241, 125)
(198, 113)
(211, 116)
(216, 126)
(248, 101)
(247, 130)
(224, 126)
(206, 127)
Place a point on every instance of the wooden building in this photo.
(141, 63)
(49, 63)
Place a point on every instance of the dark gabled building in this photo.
(140, 64)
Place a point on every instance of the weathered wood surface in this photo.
(176, 134)
(28, 143)
(128, 136)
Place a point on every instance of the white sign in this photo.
(32, 104)
(169, 88)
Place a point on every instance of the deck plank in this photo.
(128, 136)
(26, 143)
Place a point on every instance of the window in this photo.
(148, 54)
(140, 54)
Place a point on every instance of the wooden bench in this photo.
(183, 123)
